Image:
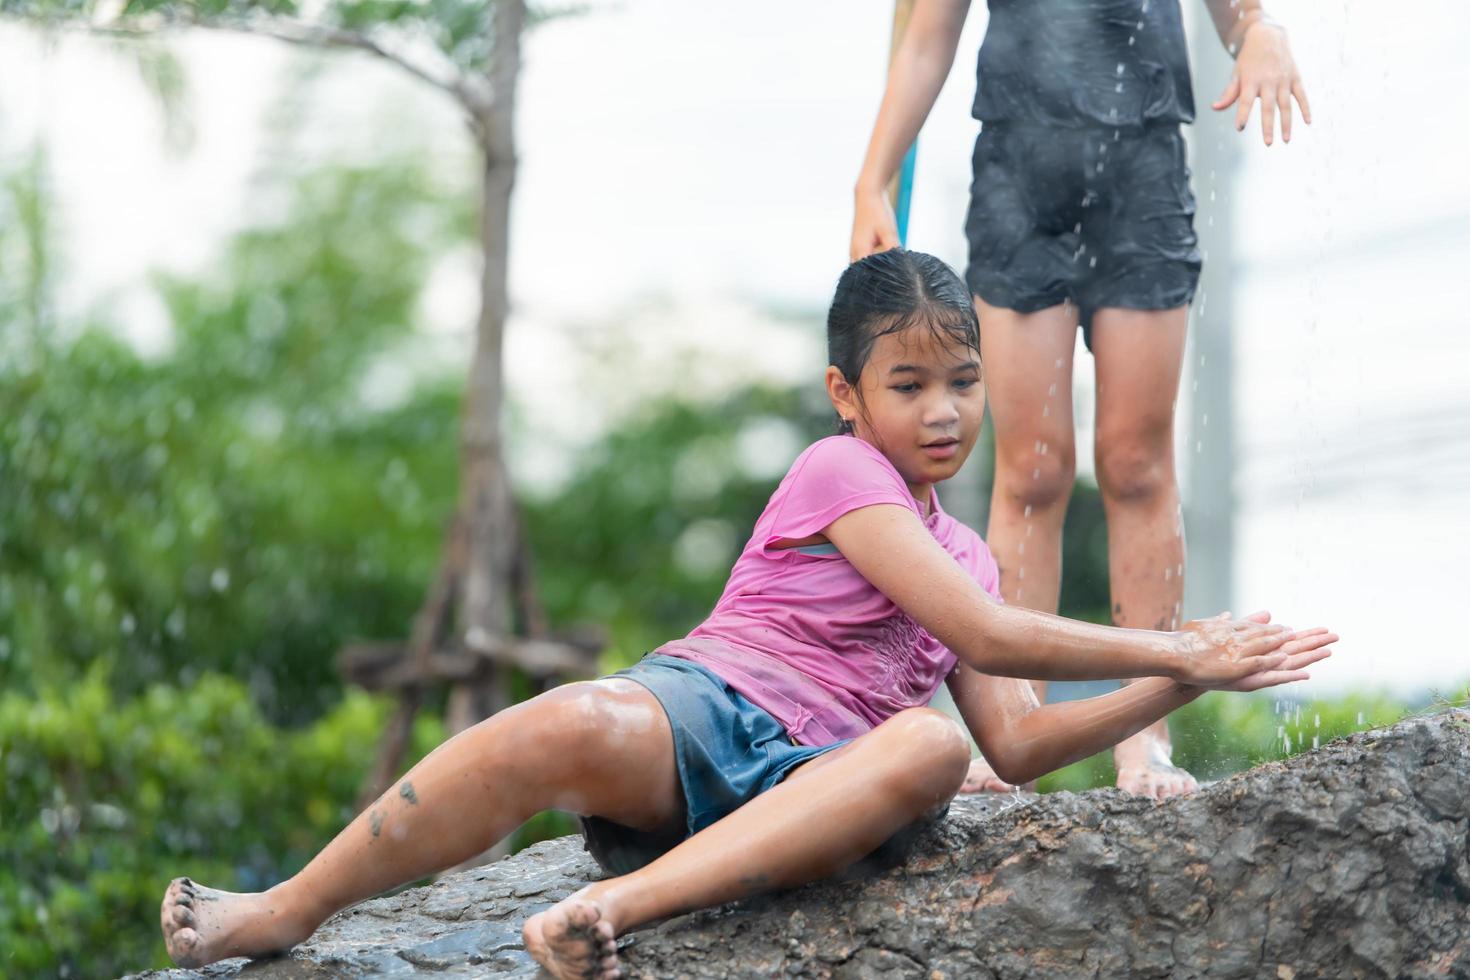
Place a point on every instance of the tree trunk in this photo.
(1349, 861)
(485, 504)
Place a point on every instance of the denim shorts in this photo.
(728, 752)
(1100, 217)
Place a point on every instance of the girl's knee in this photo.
(1135, 470)
(1028, 477)
(935, 755)
(581, 723)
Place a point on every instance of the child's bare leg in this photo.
(603, 747)
(1139, 355)
(1028, 390)
(830, 812)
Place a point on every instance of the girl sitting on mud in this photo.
(704, 773)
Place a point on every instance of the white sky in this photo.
(685, 166)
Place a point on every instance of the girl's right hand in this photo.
(874, 228)
(1220, 651)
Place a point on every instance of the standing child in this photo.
(710, 770)
(1081, 212)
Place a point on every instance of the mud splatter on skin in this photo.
(375, 822)
(406, 791)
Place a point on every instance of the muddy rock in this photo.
(1349, 861)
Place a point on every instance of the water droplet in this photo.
(1198, 446)
(1118, 87)
(1168, 574)
(1360, 719)
(1092, 262)
(1316, 721)
(1130, 40)
(1027, 511)
(128, 624)
(1314, 741)
(1045, 411)
(1036, 473)
(1021, 548)
(1044, 448)
(1120, 68)
(1205, 419)
(1021, 574)
(1051, 390)
(220, 579)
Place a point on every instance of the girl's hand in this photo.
(874, 228)
(1264, 69)
(1300, 650)
(1307, 648)
(1221, 651)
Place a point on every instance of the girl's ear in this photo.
(842, 394)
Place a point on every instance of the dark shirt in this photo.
(1082, 63)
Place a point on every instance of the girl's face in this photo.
(920, 400)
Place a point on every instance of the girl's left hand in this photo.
(1264, 69)
(1309, 647)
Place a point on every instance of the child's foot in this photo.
(202, 925)
(572, 941)
(982, 779)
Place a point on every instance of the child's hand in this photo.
(1264, 69)
(874, 228)
(1221, 651)
(1296, 651)
(1308, 647)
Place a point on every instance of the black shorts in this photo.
(1100, 217)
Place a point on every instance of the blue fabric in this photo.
(727, 750)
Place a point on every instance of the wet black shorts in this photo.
(1100, 217)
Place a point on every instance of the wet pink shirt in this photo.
(804, 636)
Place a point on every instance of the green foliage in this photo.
(233, 504)
(1222, 733)
(461, 30)
(107, 799)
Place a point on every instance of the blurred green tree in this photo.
(470, 50)
(158, 512)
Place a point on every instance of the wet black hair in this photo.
(889, 292)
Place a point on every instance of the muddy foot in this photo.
(572, 941)
(202, 925)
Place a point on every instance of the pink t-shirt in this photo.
(804, 636)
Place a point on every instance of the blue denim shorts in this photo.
(728, 752)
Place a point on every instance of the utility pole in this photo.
(1209, 450)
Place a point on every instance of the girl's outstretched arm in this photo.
(889, 547)
(1023, 741)
(919, 68)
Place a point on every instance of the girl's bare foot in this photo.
(573, 941)
(982, 779)
(202, 925)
